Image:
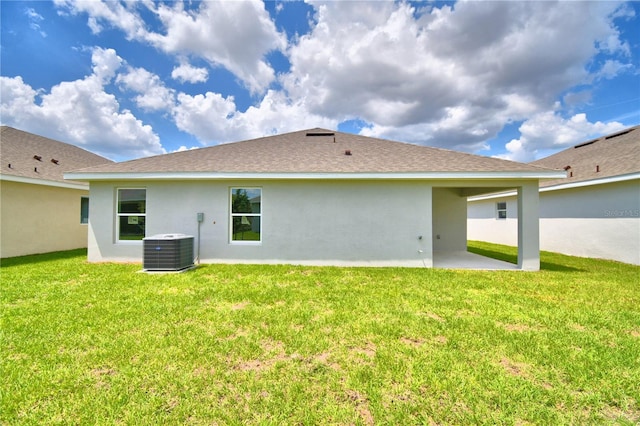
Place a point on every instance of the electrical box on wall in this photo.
(200, 217)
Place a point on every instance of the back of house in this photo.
(316, 196)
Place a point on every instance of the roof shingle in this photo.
(26, 155)
(316, 151)
(612, 155)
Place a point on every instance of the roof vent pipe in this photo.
(37, 157)
(347, 152)
(597, 169)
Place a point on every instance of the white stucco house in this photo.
(40, 211)
(594, 212)
(314, 197)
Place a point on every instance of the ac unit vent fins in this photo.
(167, 252)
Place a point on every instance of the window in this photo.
(246, 214)
(84, 210)
(501, 210)
(131, 214)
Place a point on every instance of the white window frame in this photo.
(232, 215)
(119, 215)
(501, 210)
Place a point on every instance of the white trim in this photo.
(89, 176)
(492, 196)
(118, 215)
(599, 181)
(498, 210)
(561, 186)
(232, 215)
(45, 182)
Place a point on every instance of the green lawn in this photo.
(88, 343)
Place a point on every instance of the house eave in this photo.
(110, 176)
(561, 186)
(45, 182)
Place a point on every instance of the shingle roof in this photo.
(26, 155)
(315, 151)
(612, 155)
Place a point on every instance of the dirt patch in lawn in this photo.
(239, 306)
(412, 341)
(361, 403)
(517, 369)
(518, 328)
(615, 414)
(433, 316)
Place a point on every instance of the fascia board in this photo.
(561, 186)
(599, 181)
(88, 176)
(45, 182)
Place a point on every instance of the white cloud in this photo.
(449, 76)
(190, 74)
(34, 21)
(153, 94)
(214, 119)
(118, 14)
(80, 112)
(548, 130)
(438, 76)
(184, 148)
(612, 68)
(105, 64)
(234, 34)
(204, 116)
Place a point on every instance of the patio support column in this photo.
(528, 227)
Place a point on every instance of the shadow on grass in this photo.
(513, 258)
(8, 262)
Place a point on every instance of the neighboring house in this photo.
(308, 197)
(39, 211)
(595, 212)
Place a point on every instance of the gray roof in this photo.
(314, 151)
(612, 155)
(25, 155)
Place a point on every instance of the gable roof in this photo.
(35, 159)
(309, 153)
(612, 155)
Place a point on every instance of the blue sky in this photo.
(517, 80)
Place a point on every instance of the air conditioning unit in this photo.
(167, 252)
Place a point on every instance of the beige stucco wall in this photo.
(39, 219)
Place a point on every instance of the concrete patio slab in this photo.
(467, 260)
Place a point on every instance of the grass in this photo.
(88, 343)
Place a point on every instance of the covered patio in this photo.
(449, 220)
